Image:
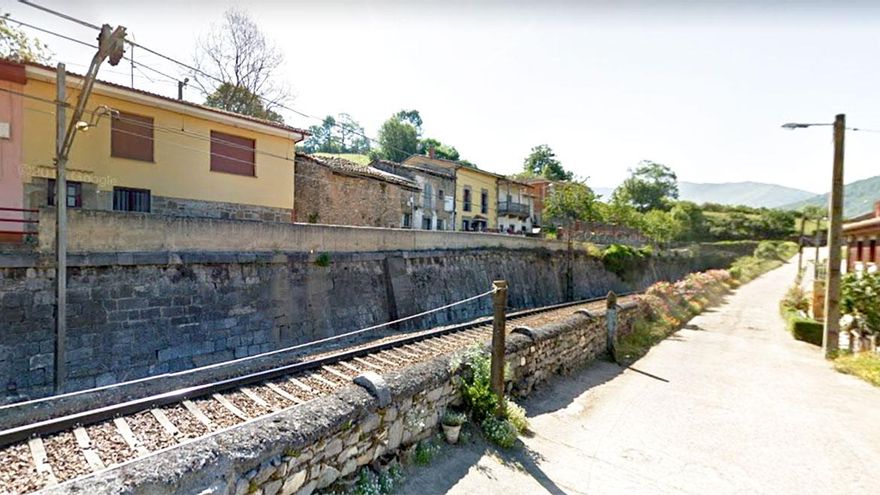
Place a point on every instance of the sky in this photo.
(700, 86)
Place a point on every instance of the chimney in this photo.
(433, 154)
(877, 209)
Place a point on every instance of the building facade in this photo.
(862, 236)
(476, 193)
(516, 207)
(335, 191)
(433, 208)
(143, 152)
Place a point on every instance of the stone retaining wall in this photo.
(310, 446)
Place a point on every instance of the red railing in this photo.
(23, 220)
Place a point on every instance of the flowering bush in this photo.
(860, 297)
(500, 431)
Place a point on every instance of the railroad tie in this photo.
(335, 373)
(198, 414)
(381, 360)
(85, 445)
(368, 364)
(230, 406)
(301, 385)
(128, 436)
(317, 377)
(256, 398)
(283, 393)
(165, 422)
(41, 460)
(349, 367)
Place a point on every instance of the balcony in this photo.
(512, 209)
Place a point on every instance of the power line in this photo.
(205, 74)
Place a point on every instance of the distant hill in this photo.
(755, 194)
(858, 198)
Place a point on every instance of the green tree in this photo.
(570, 201)
(340, 134)
(542, 162)
(413, 117)
(620, 212)
(661, 226)
(441, 150)
(17, 46)
(649, 187)
(239, 100)
(690, 218)
(398, 138)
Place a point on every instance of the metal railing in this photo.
(29, 226)
(513, 208)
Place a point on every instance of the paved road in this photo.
(730, 405)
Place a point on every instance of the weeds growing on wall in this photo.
(474, 382)
(669, 306)
(623, 260)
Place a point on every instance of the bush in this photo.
(767, 250)
(803, 328)
(452, 418)
(475, 385)
(517, 416)
(425, 451)
(860, 297)
(500, 431)
(621, 259)
(795, 300)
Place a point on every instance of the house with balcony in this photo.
(476, 193)
(515, 207)
(142, 152)
(434, 207)
(862, 234)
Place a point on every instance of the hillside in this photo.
(858, 198)
(755, 194)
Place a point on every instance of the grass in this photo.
(865, 365)
(352, 157)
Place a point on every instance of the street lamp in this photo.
(831, 328)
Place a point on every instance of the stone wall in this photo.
(36, 194)
(94, 231)
(310, 446)
(133, 315)
(327, 197)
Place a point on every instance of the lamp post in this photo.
(831, 328)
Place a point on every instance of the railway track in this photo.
(63, 448)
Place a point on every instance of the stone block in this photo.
(376, 386)
(293, 483)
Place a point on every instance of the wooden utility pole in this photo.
(499, 306)
(60, 228)
(832, 284)
(801, 244)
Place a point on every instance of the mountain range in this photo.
(858, 198)
(755, 194)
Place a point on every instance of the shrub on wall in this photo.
(860, 297)
(622, 260)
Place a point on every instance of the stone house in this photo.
(142, 152)
(336, 191)
(433, 209)
(862, 235)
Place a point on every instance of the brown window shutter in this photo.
(232, 154)
(132, 137)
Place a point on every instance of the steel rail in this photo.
(62, 423)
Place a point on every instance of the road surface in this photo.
(731, 404)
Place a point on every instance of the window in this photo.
(127, 199)
(440, 225)
(74, 194)
(467, 199)
(426, 223)
(428, 200)
(407, 220)
(232, 154)
(131, 136)
(859, 251)
(872, 252)
(465, 225)
(440, 194)
(484, 202)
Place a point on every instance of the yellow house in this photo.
(476, 193)
(145, 152)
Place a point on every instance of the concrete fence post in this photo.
(611, 325)
(499, 306)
